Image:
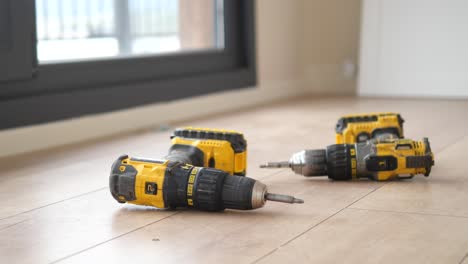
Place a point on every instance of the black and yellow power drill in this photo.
(377, 159)
(225, 150)
(202, 170)
(357, 128)
(171, 184)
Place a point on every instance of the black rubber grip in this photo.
(186, 154)
(237, 192)
(213, 190)
(122, 183)
(208, 188)
(339, 162)
(428, 153)
(175, 185)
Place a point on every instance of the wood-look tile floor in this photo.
(55, 205)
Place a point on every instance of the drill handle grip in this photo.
(186, 154)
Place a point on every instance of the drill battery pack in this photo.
(224, 150)
(358, 128)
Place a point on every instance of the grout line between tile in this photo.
(101, 243)
(267, 176)
(463, 259)
(121, 235)
(113, 238)
(452, 143)
(12, 225)
(317, 224)
(47, 205)
(402, 212)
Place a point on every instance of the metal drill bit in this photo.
(283, 198)
(281, 164)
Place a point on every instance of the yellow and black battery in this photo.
(357, 128)
(225, 150)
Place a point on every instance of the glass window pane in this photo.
(70, 30)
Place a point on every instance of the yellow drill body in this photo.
(171, 184)
(357, 128)
(148, 179)
(389, 159)
(378, 159)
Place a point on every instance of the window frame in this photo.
(68, 90)
(17, 48)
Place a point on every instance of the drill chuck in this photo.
(311, 162)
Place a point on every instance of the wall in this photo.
(414, 48)
(302, 46)
(330, 45)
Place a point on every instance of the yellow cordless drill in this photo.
(352, 129)
(197, 172)
(215, 148)
(171, 184)
(377, 159)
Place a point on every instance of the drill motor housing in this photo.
(381, 160)
(225, 150)
(358, 128)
